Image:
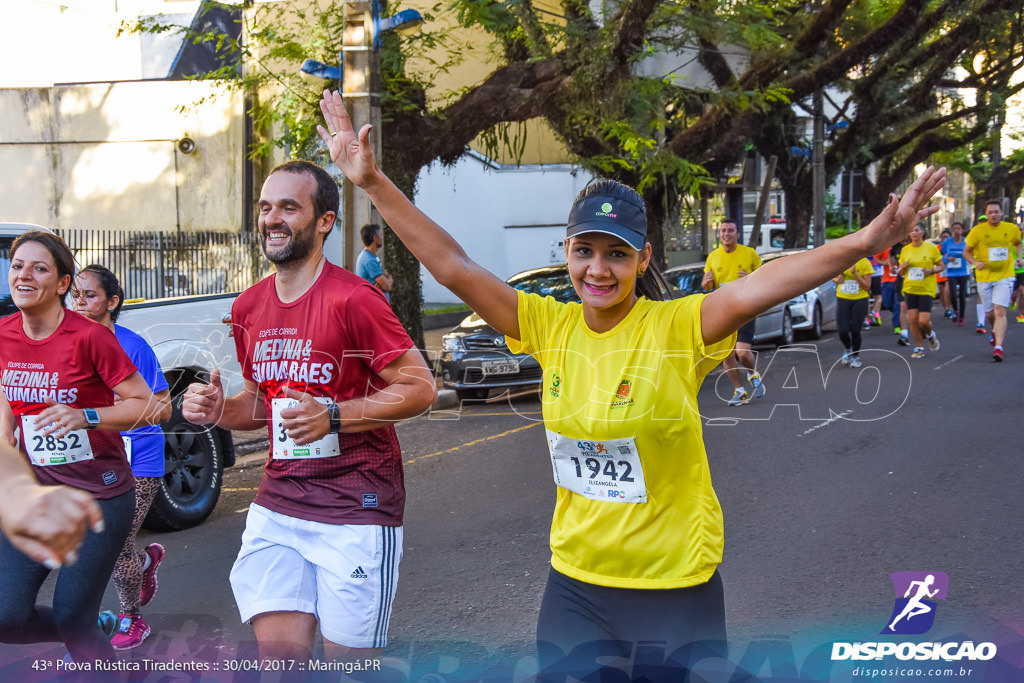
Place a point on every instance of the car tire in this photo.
(814, 331)
(472, 394)
(189, 490)
(788, 336)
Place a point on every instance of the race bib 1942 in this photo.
(608, 470)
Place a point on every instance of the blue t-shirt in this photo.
(368, 267)
(953, 255)
(147, 441)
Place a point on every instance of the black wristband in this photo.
(334, 415)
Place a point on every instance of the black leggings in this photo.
(958, 294)
(77, 595)
(850, 315)
(658, 634)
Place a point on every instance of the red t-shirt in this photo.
(77, 365)
(331, 342)
(889, 272)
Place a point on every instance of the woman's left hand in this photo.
(59, 419)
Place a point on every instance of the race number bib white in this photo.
(849, 287)
(600, 470)
(954, 263)
(127, 447)
(998, 253)
(45, 451)
(915, 274)
(286, 449)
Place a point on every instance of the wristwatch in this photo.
(334, 415)
(92, 418)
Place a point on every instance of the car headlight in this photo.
(452, 342)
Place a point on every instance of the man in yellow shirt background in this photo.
(990, 249)
(728, 263)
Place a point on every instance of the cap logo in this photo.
(606, 210)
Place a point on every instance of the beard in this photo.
(298, 248)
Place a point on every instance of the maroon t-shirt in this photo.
(77, 365)
(330, 342)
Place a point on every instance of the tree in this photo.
(594, 78)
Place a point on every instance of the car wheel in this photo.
(814, 331)
(472, 394)
(189, 490)
(788, 336)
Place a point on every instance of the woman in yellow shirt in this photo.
(637, 534)
(919, 262)
(852, 288)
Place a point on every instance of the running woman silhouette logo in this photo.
(916, 592)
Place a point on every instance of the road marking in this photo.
(235, 490)
(826, 423)
(473, 443)
(951, 360)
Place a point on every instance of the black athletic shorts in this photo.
(648, 634)
(746, 333)
(876, 285)
(919, 302)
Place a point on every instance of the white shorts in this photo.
(996, 293)
(345, 574)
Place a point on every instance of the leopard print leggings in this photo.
(128, 570)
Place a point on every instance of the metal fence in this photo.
(154, 265)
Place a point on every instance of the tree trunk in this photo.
(407, 290)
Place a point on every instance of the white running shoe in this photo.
(755, 381)
(933, 342)
(739, 397)
(855, 361)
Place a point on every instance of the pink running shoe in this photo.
(131, 631)
(156, 556)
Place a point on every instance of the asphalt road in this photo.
(834, 480)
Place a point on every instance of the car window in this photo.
(555, 284)
(6, 302)
(686, 281)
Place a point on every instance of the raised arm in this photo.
(484, 292)
(725, 310)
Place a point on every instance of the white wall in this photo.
(508, 219)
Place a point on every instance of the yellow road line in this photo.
(473, 443)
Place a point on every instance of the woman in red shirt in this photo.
(60, 372)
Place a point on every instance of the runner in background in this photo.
(728, 263)
(990, 249)
(874, 318)
(1018, 291)
(100, 298)
(957, 272)
(919, 262)
(940, 279)
(852, 286)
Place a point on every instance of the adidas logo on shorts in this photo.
(359, 574)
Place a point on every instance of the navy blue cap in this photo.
(611, 215)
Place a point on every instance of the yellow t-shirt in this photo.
(993, 244)
(922, 258)
(633, 387)
(849, 288)
(726, 265)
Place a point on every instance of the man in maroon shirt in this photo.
(329, 370)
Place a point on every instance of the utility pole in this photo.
(361, 91)
(818, 169)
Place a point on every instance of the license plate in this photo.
(499, 367)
